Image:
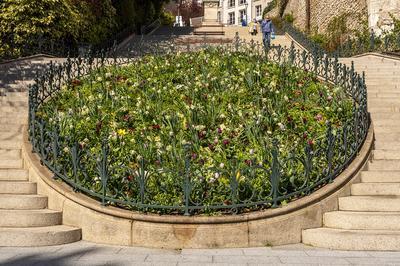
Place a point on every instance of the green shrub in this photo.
(167, 18)
(289, 18)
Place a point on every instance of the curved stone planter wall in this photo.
(111, 225)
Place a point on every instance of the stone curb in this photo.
(86, 202)
(26, 58)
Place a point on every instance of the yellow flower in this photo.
(121, 132)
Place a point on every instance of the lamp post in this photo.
(246, 13)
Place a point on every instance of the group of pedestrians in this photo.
(267, 30)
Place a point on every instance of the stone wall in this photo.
(379, 11)
(322, 12)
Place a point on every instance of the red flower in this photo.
(76, 82)
(156, 127)
(226, 142)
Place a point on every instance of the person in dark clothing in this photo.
(267, 29)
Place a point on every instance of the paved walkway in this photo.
(84, 253)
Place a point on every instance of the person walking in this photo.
(267, 29)
(253, 27)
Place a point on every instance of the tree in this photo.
(24, 22)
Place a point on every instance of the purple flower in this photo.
(318, 117)
(226, 142)
(219, 130)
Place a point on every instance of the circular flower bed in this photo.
(206, 121)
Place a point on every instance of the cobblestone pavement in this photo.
(85, 253)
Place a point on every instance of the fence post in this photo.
(186, 181)
(275, 173)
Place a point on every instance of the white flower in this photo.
(216, 175)
(269, 132)
(281, 126)
(221, 165)
(108, 75)
(286, 98)
(66, 149)
(251, 152)
(99, 79)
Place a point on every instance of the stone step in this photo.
(10, 136)
(386, 155)
(343, 239)
(30, 218)
(16, 104)
(13, 174)
(15, 144)
(38, 236)
(382, 145)
(14, 109)
(384, 109)
(11, 163)
(17, 187)
(389, 137)
(370, 203)
(380, 176)
(10, 154)
(11, 127)
(385, 116)
(383, 95)
(362, 220)
(384, 165)
(375, 189)
(22, 202)
(10, 119)
(387, 129)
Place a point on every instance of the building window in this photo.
(242, 2)
(258, 11)
(219, 16)
(242, 15)
(231, 3)
(231, 18)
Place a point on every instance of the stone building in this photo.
(232, 12)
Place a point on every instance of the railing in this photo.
(144, 30)
(387, 42)
(303, 39)
(286, 176)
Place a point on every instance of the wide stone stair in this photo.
(369, 219)
(25, 219)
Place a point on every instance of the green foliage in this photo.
(167, 18)
(289, 18)
(270, 6)
(227, 106)
(99, 20)
(24, 22)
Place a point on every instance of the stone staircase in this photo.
(25, 219)
(230, 32)
(369, 219)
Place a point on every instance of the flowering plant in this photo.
(204, 121)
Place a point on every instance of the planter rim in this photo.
(59, 186)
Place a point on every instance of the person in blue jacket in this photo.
(267, 29)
